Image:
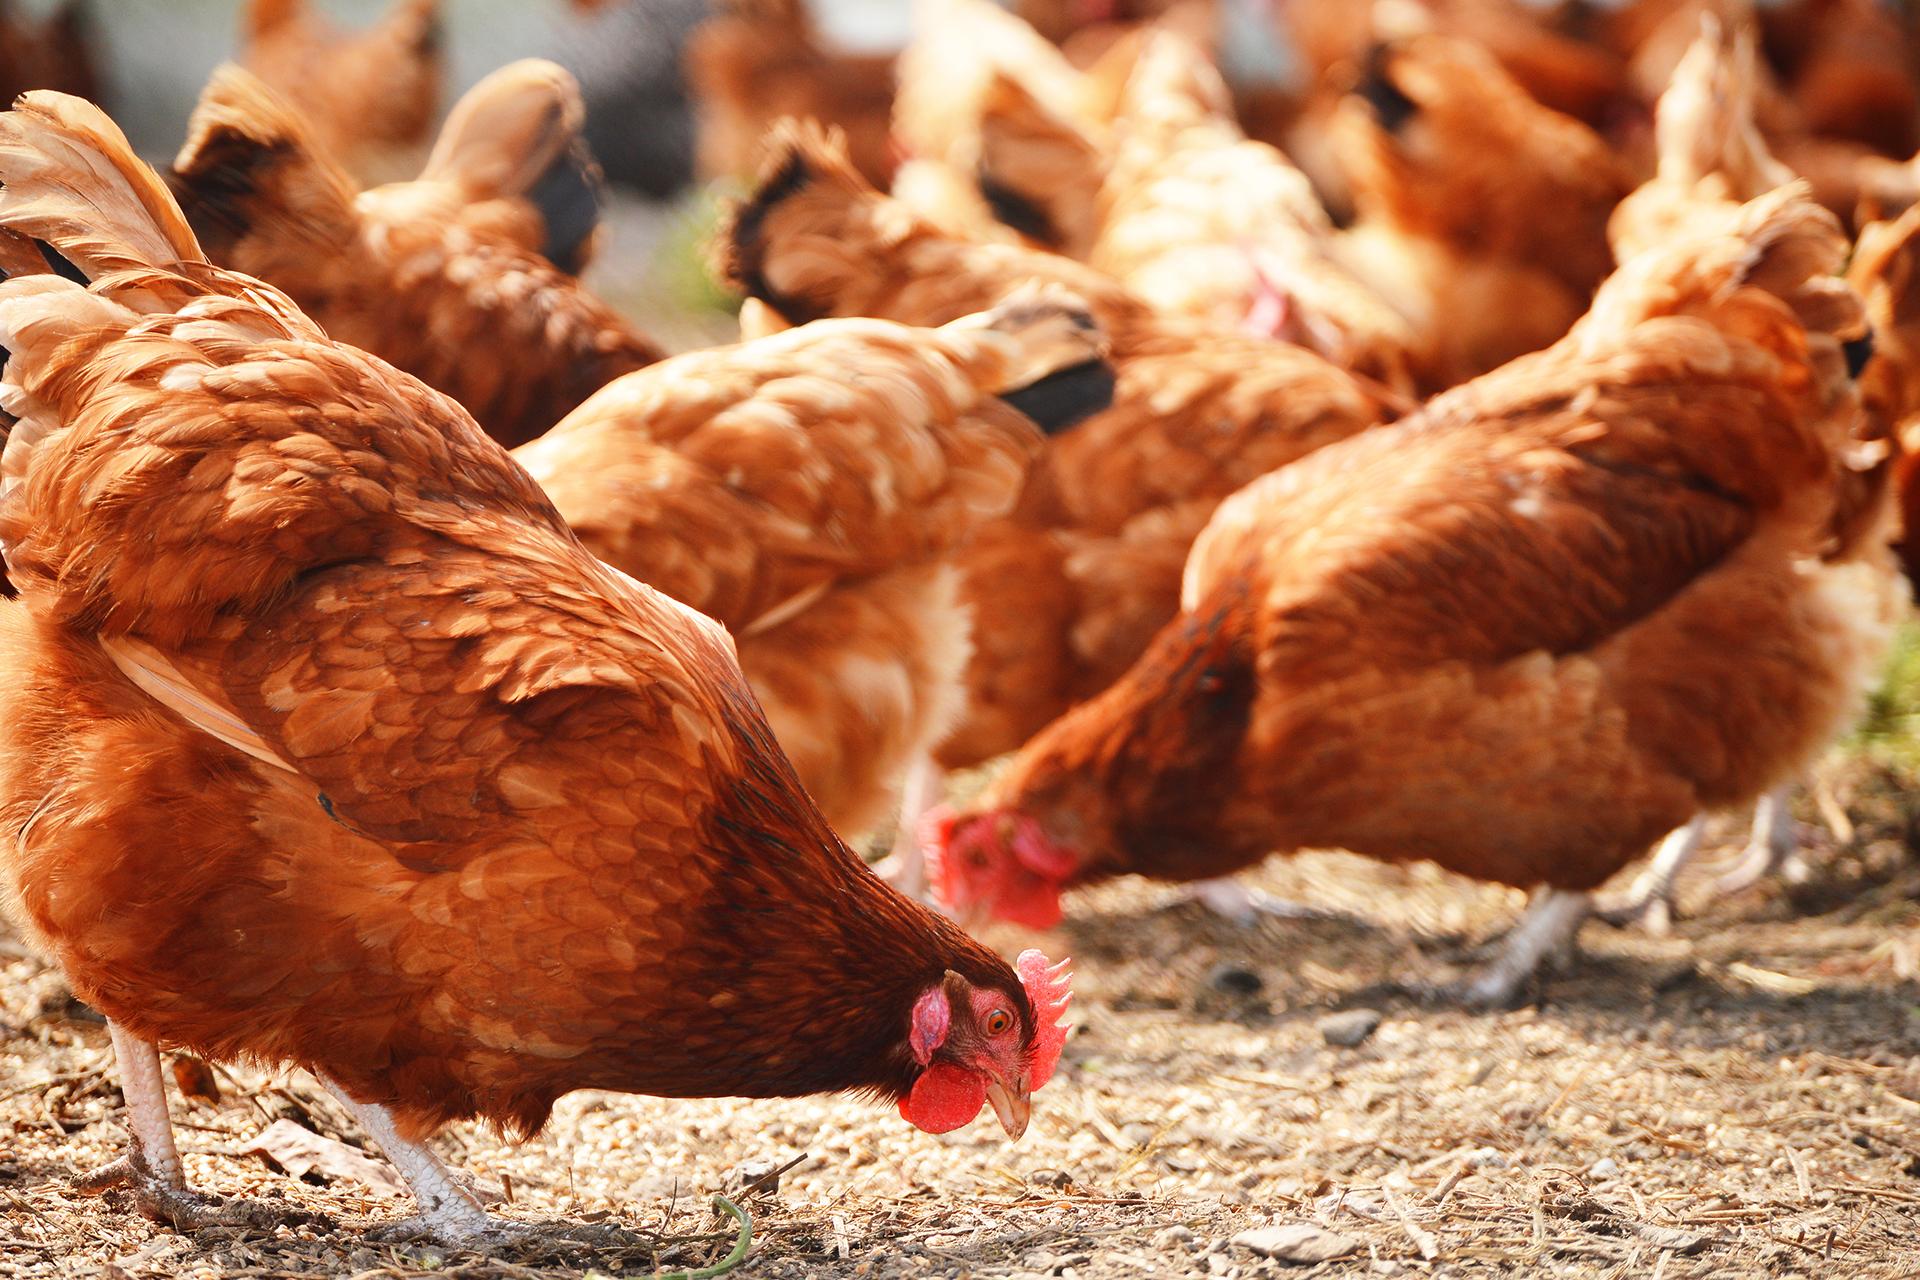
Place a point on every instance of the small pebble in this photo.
(1349, 1027)
(1177, 1236)
(1050, 1178)
(1300, 1242)
(1606, 1167)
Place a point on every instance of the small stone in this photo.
(1298, 1242)
(1670, 1238)
(1487, 1158)
(1138, 1135)
(1235, 980)
(1055, 1178)
(1349, 1027)
(1178, 1236)
(751, 1172)
(1604, 1168)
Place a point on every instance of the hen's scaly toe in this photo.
(478, 1231)
(178, 1206)
(1245, 906)
(1653, 913)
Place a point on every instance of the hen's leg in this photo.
(1229, 898)
(1649, 900)
(1771, 849)
(906, 867)
(1543, 938)
(448, 1215)
(151, 1171)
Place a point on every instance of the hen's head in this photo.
(978, 1045)
(997, 864)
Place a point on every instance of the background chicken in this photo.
(758, 61)
(406, 788)
(1481, 214)
(54, 52)
(1068, 588)
(816, 517)
(440, 275)
(1189, 213)
(372, 95)
(1522, 634)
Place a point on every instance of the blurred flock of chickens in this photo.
(1488, 450)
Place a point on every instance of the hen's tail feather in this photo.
(518, 135)
(245, 147)
(802, 156)
(1061, 376)
(69, 180)
(1704, 123)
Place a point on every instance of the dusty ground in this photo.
(1739, 1099)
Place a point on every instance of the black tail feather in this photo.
(1066, 397)
(569, 196)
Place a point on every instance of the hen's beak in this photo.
(1011, 1104)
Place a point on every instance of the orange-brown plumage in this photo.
(1193, 216)
(372, 95)
(1196, 413)
(1522, 633)
(55, 52)
(461, 277)
(328, 743)
(817, 516)
(754, 62)
(1468, 190)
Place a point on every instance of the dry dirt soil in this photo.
(1739, 1098)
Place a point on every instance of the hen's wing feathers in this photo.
(1552, 544)
(424, 704)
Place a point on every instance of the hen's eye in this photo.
(998, 1021)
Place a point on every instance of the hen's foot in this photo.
(170, 1202)
(1773, 849)
(905, 866)
(1649, 901)
(481, 1232)
(465, 1226)
(1543, 940)
(1244, 906)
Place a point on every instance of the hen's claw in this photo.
(174, 1205)
(1543, 940)
(1245, 906)
(479, 1232)
(1649, 902)
(1773, 849)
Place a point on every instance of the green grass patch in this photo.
(1890, 731)
(681, 259)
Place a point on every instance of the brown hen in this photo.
(817, 515)
(1522, 633)
(460, 277)
(328, 744)
(1196, 413)
(371, 95)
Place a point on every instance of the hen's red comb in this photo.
(1049, 989)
